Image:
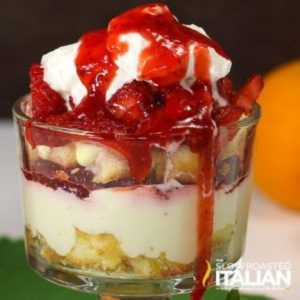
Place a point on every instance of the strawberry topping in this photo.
(44, 101)
(133, 102)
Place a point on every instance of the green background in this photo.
(19, 282)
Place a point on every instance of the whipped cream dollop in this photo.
(219, 65)
(61, 74)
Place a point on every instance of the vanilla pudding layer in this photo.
(154, 222)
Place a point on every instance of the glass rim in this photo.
(19, 114)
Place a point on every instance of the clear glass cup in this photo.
(93, 226)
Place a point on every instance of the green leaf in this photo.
(233, 295)
(19, 282)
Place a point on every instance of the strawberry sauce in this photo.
(152, 108)
(205, 215)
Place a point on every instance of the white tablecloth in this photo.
(273, 232)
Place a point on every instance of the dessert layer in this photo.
(101, 255)
(103, 165)
(146, 220)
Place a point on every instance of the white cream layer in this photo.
(143, 222)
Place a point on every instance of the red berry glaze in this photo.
(165, 60)
(95, 68)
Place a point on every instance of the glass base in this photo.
(121, 288)
(116, 288)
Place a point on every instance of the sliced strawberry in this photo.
(178, 104)
(133, 102)
(249, 93)
(154, 123)
(227, 114)
(44, 101)
(202, 94)
(225, 88)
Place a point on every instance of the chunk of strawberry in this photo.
(249, 93)
(225, 88)
(155, 122)
(44, 101)
(133, 102)
(202, 94)
(179, 104)
(227, 114)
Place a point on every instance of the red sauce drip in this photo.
(95, 68)
(205, 213)
(137, 153)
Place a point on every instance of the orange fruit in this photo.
(277, 150)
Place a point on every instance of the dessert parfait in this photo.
(135, 155)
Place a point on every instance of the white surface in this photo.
(273, 232)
